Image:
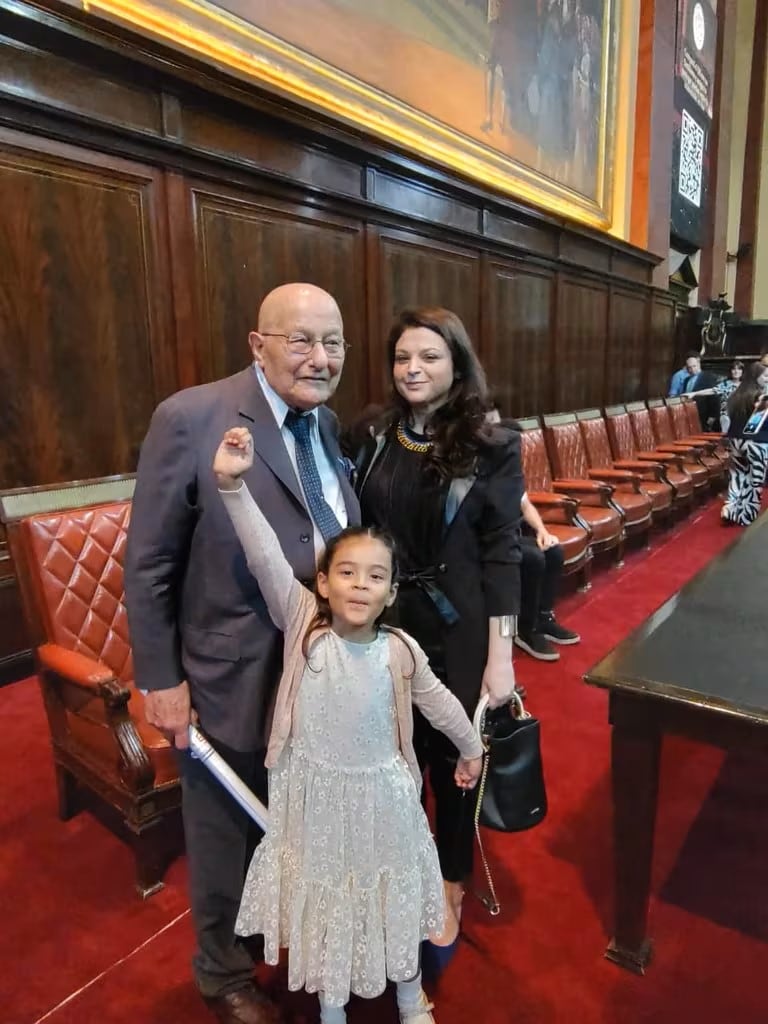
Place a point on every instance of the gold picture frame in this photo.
(229, 41)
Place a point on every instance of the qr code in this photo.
(691, 160)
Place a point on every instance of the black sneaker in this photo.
(537, 646)
(551, 630)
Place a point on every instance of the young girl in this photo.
(347, 876)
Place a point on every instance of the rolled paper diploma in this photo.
(234, 785)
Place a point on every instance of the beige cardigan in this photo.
(292, 607)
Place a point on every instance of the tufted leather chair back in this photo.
(692, 417)
(75, 561)
(641, 427)
(619, 428)
(536, 471)
(679, 419)
(566, 446)
(661, 423)
(598, 448)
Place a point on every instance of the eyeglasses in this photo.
(301, 345)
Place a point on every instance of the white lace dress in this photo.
(348, 876)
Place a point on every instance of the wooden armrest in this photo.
(589, 492)
(548, 499)
(645, 470)
(135, 766)
(616, 476)
(666, 458)
(688, 451)
(76, 668)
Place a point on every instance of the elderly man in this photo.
(202, 640)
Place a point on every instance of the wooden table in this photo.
(698, 667)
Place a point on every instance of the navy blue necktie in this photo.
(319, 509)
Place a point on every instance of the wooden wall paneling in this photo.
(85, 347)
(581, 331)
(245, 245)
(661, 346)
(625, 349)
(415, 270)
(518, 336)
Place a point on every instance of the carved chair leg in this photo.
(619, 555)
(66, 790)
(585, 576)
(150, 850)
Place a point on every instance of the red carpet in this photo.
(77, 946)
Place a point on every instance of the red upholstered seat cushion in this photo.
(574, 541)
(605, 523)
(636, 507)
(659, 493)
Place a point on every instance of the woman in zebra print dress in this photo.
(749, 459)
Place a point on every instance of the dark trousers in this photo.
(540, 573)
(220, 840)
(454, 807)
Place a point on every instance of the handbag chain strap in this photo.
(490, 901)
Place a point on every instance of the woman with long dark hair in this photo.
(447, 485)
(749, 458)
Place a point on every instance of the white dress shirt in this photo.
(327, 471)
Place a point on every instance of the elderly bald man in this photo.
(201, 636)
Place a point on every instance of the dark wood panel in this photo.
(414, 200)
(53, 80)
(83, 354)
(661, 346)
(535, 238)
(202, 130)
(582, 321)
(625, 350)
(518, 339)
(245, 247)
(412, 270)
(585, 252)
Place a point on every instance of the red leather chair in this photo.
(70, 569)
(621, 436)
(595, 511)
(599, 456)
(568, 458)
(711, 444)
(646, 442)
(699, 452)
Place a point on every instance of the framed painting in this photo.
(520, 95)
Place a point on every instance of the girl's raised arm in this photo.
(286, 598)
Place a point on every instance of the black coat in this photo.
(478, 567)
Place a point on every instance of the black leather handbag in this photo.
(511, 793)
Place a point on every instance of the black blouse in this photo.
(405, 496)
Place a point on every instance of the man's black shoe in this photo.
(551, 629)
(537, 646)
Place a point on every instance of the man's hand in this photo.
(170, 711)
(498, 683)
(468, 772)
(545, 540)
(233, 457)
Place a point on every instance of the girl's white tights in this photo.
(412, 1002)
(331, 1014)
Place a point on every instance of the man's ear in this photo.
(392, 595)
(322, 585)
(256, 343)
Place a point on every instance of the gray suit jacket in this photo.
(194, 610)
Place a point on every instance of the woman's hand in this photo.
(498, 682)
(545, 540)
(468, 772)
(233, 458)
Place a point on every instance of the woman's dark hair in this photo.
(736, 365)
(742, 401)
(458, 429)
(322, 616)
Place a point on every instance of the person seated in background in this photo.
(723, 390)
(691, 369)
(540, 571)
(541, 567)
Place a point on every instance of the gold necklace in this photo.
(407, 442)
